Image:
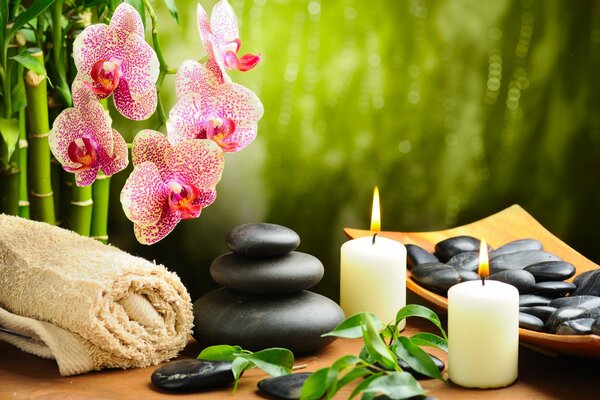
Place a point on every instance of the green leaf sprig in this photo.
(274, 361)
(377, 364)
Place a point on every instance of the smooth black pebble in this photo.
(416, 255)
(530, 300)
(569, 313)
(467, 260)
(520, 260)
(582, 277)
(517, 245)
(188, 375)
(262, 240)
(519, 278)
(596, 326)
(551, 271)
(287, 387)
(440, 277)
(588, 302)
(448, 248)
(582, 326)
(405, 367)
(542, 312)
(591, 285)
(554, 289)
(531, 322)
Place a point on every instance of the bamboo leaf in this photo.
(397, 385)
(416, 357)
(220, 353)
(415, 310)
(172, 9)
(30, 62)
(429, 339)
(9, 129)
(31, 12)
(350, 328)
(275, 361)
(315, 387)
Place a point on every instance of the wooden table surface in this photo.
(24, 376)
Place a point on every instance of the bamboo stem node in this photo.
(23, 144)
(38, 136)
(82, 203)
(41, 195)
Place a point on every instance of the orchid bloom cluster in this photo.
(174, 176)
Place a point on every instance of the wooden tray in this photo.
(507, 225)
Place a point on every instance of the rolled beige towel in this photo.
(86, 304)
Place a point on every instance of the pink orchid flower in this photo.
(115, 59)
(83, 141)
(221, 39)
(226, 113)
(169, 183)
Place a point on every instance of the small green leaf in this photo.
(314, 387)
(350, 327)
(365, 356)
(220, 352)
(275, 361)
(416, 357)
(30, 62)
(397, 385)
(376, 346)
(415, 310)
(172, 9)
(352, 375)
(9, 129)
(238, 366)
(364, 384)
(429, 339)
(31, 12)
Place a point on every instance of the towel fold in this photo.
(87, 305)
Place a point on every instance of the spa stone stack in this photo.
(265, 302)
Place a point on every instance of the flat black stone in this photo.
(582, 326)
(569, 313)
(582, 277)
(520, 260)
(554, 289)
(590, 286)
(530, 300)
(467, 260)
(588, 302)
(262, 240)
(289, 273)
(531, 322)
(551, 271)
(596, 326)
(439, 277)
(448, 248)
(407, 368)
(517, 245)
(519, 278)
(191, 374)
(286, 387)
(542, 312)
(416, 255)
(294, 321)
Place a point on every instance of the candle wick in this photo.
(374, 235)
(482, 280)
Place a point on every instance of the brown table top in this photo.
(24, 376)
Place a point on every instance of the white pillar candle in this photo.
(373, 277)
(483, 334)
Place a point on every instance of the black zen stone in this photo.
(551, 271)
(416, 255)
(439, 277)
(286, 387)
(262, 240)
(289, 273)
(519, 278)
(581, 278)
(189, 375)
(530, 300)
(569, 313)
(520, 260)
(554, 289)
(448, 248)
(591, 286)
(596, 326)
(407, 368)
(589, 302)
(531, 322)
(542, 312)
(467, 260)
(295, 321)
(582, 326)
(517, 245)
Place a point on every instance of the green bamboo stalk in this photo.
(40, 187)
(56, 172)
(9, 186)
(79, 214)
(100, 196)
(23, 144)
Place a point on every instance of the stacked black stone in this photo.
(264, 302)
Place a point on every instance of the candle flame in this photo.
(375, 213)
(484, 266)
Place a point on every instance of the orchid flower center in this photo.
(232, 61)
(184, 198)
(82, 151)
(106, 75)
(218, 129)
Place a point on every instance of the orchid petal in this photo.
(150, 234)
(149, 145)
(198, 162)
(136, 102)
(215, 61)
(144, 195)
(193, 77)
(86, 177)
(184, 120)
(203, 24)
(240, 104)
(224, 23)
(119, 159)
(207, 197)
(127, 18)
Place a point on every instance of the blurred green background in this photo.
(456, 109)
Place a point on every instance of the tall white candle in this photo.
(373, 277)
(483, 334)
